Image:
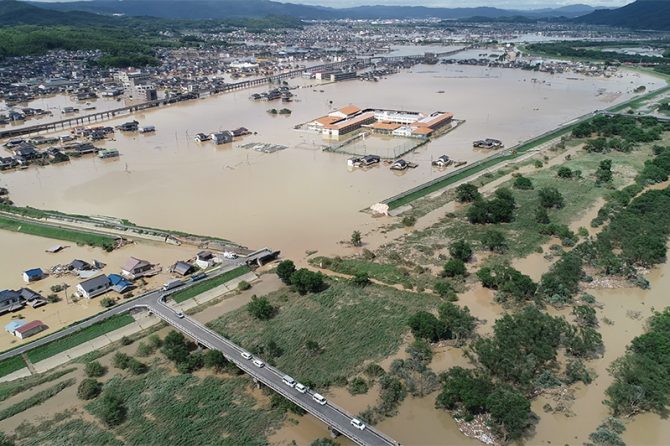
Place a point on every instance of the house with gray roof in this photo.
(94, 287)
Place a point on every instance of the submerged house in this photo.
(119, 284)
(94, 287)
(10, 301)
(33, 275)
(182, 268)
(135, 268)
(205, 259)
(222, 137)
(30, 329)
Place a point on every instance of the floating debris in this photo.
(263, 147)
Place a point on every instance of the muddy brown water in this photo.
(301, 198)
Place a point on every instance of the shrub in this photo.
(136, 367)
(523, 183)
(285, 270)
(53, 298)
(444, 289)
(550, 197)
(358, 386)
(361, 279)
(374, 371)
(564, 172)
(305, 281)
(94, 369)
(112, 411)
(88, 389)
(261, 309)
(454, 268)
(120, 360)
(425, 325)
(107, 302)
(356, 239)
(125, 340)
(243, 285)
(461, 250)
(409, 220)
(467, 193)
(494, 240)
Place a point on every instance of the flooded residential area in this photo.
(311, 225)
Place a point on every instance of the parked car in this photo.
(288, 381)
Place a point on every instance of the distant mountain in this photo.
(13, 12)
(643, 14)
(220, 9)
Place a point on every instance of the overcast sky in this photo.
(517, 4)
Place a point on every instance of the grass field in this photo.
(11, 388)
(165, 409)
(75, 339)
(11, 365)
(352, 325)
(36, 399)
(65, 431)
(207, 285)
(82, 238)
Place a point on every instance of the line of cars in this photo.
(301, 388)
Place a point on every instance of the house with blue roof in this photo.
(13, 325)
(32, 275)
(119, 284)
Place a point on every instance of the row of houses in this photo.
(223, 137)
(396, 123)
(14, 300)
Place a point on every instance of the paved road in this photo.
(330, 414)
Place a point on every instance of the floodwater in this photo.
(301, 198)
(21, 252)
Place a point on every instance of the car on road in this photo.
(198, 276)
(172, 285)
(179, 314)
(258, 363)
(301, 388)
(246, 355)
(358, 424)
(319, 398)
(288, 381)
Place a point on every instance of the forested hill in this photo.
(643, 14)
(13, 12)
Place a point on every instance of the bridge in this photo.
(336, 418)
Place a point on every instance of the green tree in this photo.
(604, 172)
(358, 386)
(454, 268)
(542, 216)
(356, 239)
(361, 279)
(457, 321)
(111, 410)
(175, 347)
(425, 325)
(461, 249)
(445, 289)
(510, 411)
(305, 281)
(285, 270)
(261, 308)
(564, 172)
(94, 369)
(464, 389)
(120, 360)
(550, 197)
(88, 389)
(522, 183)
(215, 360)
(107, 302)
(467, 193)
(494, 240)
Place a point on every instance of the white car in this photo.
(179, 314)
(319, 399)
(358, 424)
(246, 355)
(258, 363)
(288, 381)
(301, 388)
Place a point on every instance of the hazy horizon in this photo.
(503, 4)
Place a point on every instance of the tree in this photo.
(175, 347)
(243, 285)
(467, 193)
(361, 279)
(494, 240)
(461, 250)
(107, 302)
(285, 270)
(510, 411)
(94, 369)
(358, 386)
(88, 389)
(313, 346)
(324, 442)
(564, 172)
(457, 321)
(261, 308)
(466, 389)
(305, 281)
(425, 325)
(136, 367)
(445, 289)
(454, 267)
(120, 360)
(542, 216)
(585, 315)
(550, 197)
(356, 239)
(522, 183)
(604, 172)
(111, 411)
(215, 360)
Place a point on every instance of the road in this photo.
(333, 416)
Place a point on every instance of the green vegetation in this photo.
(11, 365)
(285, 270)
(11, 388)
(261, 308)
(94, 369)
(453, 323)
(499, 209)
(388, 273)
(36, 399)
(336, 321)
(79, 337)
(210, 410)
(209, 284)
(642, 375)
(305, 281)
(88, 389)
(56, 233)
(61, 430)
